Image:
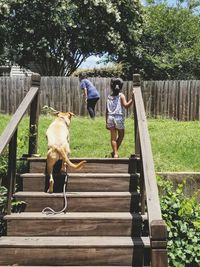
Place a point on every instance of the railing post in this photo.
(136, 83)
(11, 175)
(158, 235)
(34, 116)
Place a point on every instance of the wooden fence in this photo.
(173, 99)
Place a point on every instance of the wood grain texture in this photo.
(75, 224)
(100, 166)
(174, 99)
(82, 182)
(73, 250)
(81, 201)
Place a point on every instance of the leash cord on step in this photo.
(50, 211)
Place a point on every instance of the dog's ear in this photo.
(71, 114)
(56, 113)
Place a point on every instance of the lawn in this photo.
(175, 144)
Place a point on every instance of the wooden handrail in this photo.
(9, 136)
(149, 190)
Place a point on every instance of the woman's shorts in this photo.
(115, 122)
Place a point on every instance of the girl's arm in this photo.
(125, 103)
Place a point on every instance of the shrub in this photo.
(113, 71)
(182, 216)
(3, 165)
(16, 206)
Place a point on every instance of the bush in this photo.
(16, 206)
(182, 216)
(3, 165)
(113, 71)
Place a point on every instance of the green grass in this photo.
(175, 144)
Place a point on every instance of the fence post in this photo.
(34, 116)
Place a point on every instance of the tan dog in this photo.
(58, 145)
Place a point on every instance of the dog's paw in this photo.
(50, 190)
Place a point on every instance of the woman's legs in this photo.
(91, 103)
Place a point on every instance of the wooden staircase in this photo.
(102, 225)
(113, 215)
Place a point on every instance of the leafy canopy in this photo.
(170, 45)
(54, 37)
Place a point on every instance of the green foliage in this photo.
(113, 71)
(16, 206)
(175, 144)
(3, 165)
(170, 45)
(182, 216)
(54, 37)
(3, 201)
(3, 12)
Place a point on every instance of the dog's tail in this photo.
(65, 158)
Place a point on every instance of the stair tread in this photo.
(87, 159)
(75, 194)
(76, 215)
(74, 241)
(117, 175)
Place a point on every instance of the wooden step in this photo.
(98, 165)
(81, 201)
(82, 182)
(79, 250)
(75, 224)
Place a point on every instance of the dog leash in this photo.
(50, 211)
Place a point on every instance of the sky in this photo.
(91, 62)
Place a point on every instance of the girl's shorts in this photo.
(115, 122)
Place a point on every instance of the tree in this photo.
(55, 37)
(170, 45)
(3, 11)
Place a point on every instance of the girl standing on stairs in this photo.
(115, 114)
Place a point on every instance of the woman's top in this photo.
(91, 89)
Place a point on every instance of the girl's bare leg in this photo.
(113, 133)
(120, 137)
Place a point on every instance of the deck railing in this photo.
(149, 191)
(9, 136)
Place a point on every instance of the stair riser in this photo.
(71, 256)
(80, 204)
(74, 227)
(89, 167)
(82, 184)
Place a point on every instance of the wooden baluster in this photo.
(11, 177)
(142, 192)
(34, 116)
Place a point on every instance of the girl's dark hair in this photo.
(116, 83)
